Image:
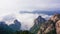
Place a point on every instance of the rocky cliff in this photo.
(51, 26)
(37, 22)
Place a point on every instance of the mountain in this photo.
(11, 22)
(16, 26)
(51, 26)
(39, 20)
(4, 28)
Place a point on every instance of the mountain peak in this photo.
(37, 22)
(39, 19)
(51, 26)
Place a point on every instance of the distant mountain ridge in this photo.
(41, 12)
(10, 22)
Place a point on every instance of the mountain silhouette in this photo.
(4, 28)
(51, 26)
(37, 22)
(16, 26)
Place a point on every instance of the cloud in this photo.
(17, 5)
(27, 20)
(13, 6)
(39, 4)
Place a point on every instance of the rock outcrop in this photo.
(51, 26)
(37, 22)
(58, 27)
(56, 19)
(16, 26)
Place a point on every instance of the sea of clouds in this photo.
(27, 20)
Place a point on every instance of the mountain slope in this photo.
(11, 22)
(16, 26)
(51, 26)
(39, 20)
(5, 29)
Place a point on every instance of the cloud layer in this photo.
(27, 20)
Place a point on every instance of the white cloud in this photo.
(46, 16)
(27, 20)
(13, 6)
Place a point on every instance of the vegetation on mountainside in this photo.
(16, 32)
(5, 29)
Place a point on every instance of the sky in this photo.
(8, 7)
(17, 5)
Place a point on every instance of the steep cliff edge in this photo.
(37, 22)
(51, 26)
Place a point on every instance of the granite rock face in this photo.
(57, 22)
(58, 27)
(51, 26)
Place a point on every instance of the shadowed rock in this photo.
(37, 22)
(16, 26)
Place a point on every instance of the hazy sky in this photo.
(17, 5)
(14, 6)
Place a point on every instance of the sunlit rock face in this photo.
(58, 24)
(55, 17)
(47, 28)
(58, 27)
(50, 26)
